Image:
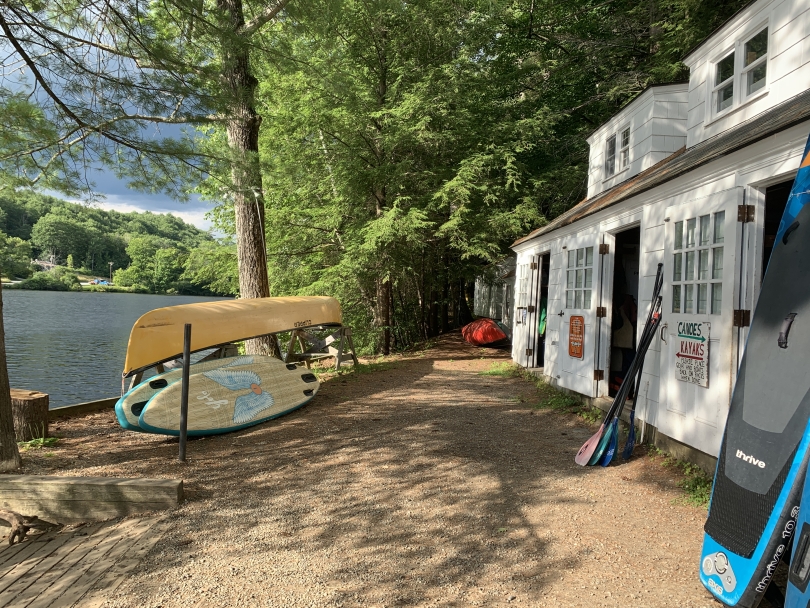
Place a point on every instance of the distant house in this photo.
(695, 176)
(493, 292)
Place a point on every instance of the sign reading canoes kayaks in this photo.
(231, 397)
(129, 407)
(158, 335)
(692, 355)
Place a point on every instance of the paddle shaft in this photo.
(184, 391)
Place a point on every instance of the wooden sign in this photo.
(692, 353)
(576, 336)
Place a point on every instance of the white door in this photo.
(700, 267)
(577, 344)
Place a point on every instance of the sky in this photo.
(116, 195)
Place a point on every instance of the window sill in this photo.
(617, 174)
(713, 118)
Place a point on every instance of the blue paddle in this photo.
(614, 441)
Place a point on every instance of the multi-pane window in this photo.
(743, 75)
(624, 150)
(697, 265)
(617, 152)
(724, 83)
(522, 294)
(610, 156)
(755, 62)
(579, 278)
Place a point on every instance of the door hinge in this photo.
(742, 318)
(533, 266)
(598, 374)
(604, 248)
(601, 311)
(530, 309)
(529, 352)
(745, 213)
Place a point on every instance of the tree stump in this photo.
(30, 412)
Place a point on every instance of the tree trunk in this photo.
(9, 454)
(383, 314)
(29, 411)
(248, 195)
(465, 314)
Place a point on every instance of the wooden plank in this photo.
(71, 499)
(116, 575)
(53, 594)
(9, 551)
(81, 409)
(127, 537)
(58, 564)
(38, 554)
(42, 561)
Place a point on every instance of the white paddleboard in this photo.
(231, 397)
(129, 407)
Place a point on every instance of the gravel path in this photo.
(420, 483)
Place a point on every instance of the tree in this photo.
(9, 453)
(169, 63)
(15, 256)
(60, 237)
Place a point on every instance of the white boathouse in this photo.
(695, 176)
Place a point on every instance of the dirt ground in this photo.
(419, 483)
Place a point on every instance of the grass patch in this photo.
(696, 485)
(550, 397)
(502, 369)
(38, 443)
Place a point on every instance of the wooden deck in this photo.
(75, 566)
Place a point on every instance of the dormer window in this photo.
(617, 145)
(740, 73)
(755, 62)
(724, 82)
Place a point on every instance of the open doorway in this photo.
(624, 320)
(542, 301)
(776, 198)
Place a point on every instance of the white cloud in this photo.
(192, 213)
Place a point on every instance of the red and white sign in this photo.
(692, 353)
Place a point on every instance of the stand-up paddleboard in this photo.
(129, 407)
(764, 454)
(231, 398)
(798, 588)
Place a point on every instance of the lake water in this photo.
(72, 345)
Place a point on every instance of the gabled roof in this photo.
(780, 117)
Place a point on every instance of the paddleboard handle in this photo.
(782, 340)
(790, 229)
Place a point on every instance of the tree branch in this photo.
(255, 24)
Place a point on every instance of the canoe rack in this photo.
(312, 347)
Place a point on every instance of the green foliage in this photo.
(58, 279)
(15, 256)
(503, 369)
(39, 443)
(696, 485)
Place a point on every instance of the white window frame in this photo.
(621, 154)
(579, 280)
(740, 96)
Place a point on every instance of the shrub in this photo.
(51, 281)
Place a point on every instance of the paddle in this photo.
(590, 451)
(611, 436)
(596, 445)
(631, 436)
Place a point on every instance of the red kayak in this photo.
(484, 332)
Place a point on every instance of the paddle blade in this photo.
(631, 437)
(603, 444)
(612, 444)
(587, 449)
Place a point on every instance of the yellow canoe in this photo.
(158, 335)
